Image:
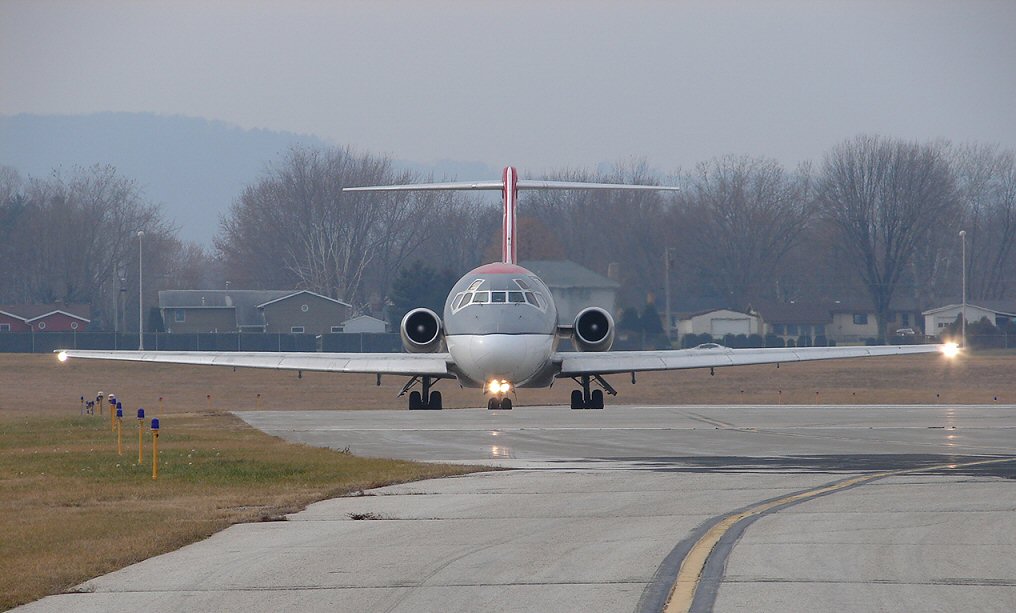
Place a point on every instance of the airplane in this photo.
(500, 330)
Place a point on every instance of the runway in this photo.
(768, 508)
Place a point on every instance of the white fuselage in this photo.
(500, 324)
(516, 358)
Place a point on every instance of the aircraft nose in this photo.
(515, 358)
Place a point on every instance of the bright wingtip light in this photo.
(950, 350)
(62, 356)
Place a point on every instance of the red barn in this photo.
(44, 317)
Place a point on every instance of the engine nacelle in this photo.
(593, 330)
(421, 331)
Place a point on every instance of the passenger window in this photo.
(497, 296)
(516, 297)
(481, 297)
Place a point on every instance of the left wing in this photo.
(409, 364)
(607, 362)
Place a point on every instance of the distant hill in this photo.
(194, 167)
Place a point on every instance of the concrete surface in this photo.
(603, 504)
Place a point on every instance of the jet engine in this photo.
(421, 331)
(593, 330)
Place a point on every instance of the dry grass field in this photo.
(71, 508)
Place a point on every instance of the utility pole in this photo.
(963, 251)
(666, 290)
(141, 307)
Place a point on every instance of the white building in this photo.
(718, 323)
(364, 324)
(935, 320)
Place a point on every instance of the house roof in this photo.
(565, 273)
(708, 311)
(362, 317)
(794, 312)
(296, 293)
(1009, 311)
(33, 312)
(864, 306)
(245, 302)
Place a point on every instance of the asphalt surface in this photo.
(812, 508)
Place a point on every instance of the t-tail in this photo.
(509, 185)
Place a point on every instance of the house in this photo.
(792, 320)
(44, 317)
(854, 322)
(304, 312)
(574, 287)
(275, 311)
(364, 324)
(718, 323)
(999, 313)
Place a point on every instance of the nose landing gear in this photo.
(503, 404)
(586, 399)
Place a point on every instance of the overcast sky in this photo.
(543, 85)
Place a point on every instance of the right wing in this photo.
(608, 362)
(408, 364)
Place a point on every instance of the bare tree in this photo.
(74, 236)
(747, 214)
(633, 220)
(885, 197)
(986, 178)
(296, 227)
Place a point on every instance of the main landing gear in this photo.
(584, 399)
(422, 399)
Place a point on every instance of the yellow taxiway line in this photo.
(682, 593)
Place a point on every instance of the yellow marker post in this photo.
(155, 448)
(113, 408)
(119, 431)
(141, 435)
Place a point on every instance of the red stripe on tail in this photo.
(509, 194)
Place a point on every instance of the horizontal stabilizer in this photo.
(498, 185)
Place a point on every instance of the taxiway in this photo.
(768, 508)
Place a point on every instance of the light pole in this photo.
(962, 242)
(141, 309)
(666, 290)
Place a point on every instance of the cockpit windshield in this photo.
(522, 295)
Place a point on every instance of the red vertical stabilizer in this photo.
(509, 193)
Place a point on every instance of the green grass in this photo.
(72, 509)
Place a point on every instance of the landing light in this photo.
(950, 350)
(62, 356)
(499, 387)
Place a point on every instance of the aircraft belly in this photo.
(513, 357)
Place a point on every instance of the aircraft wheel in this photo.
(415, 401)
(493, 404)
(435, 401)
(596, 399)
(506, 404)
(576, 400)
